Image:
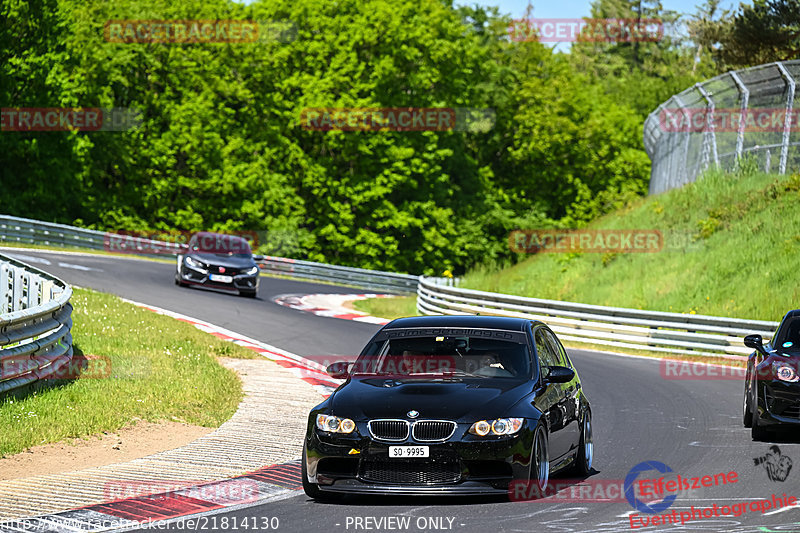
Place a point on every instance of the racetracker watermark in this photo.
(586, 30)
(693, 371)
(397, 119)
(175, 242)
(199, 31)
(88, 119)
(534, 241)
(611, 490)
(783, 370)
(404, 367)
(230, 492)
(77, 367)
(728, 120)
(568, 490)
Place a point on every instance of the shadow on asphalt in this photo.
(389, 500)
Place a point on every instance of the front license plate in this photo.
(408, 451)
(221, 278)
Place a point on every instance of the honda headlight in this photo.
(251, 272)
(785, 372)
(334, 424)
(499, 426)
(194, 263)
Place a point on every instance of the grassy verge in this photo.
(391, 308)
(161, 369)
(744, 236)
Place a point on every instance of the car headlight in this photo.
(253, 271)
(194, 263)
(785, 372)
(499, 426)
(334, 424)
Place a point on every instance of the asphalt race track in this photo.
(693, 426)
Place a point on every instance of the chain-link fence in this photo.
(740, 117)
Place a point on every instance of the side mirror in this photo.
(258, 258)
(755, 342)
(338, 370)
(559, 374)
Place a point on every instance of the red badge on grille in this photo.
(221, 270)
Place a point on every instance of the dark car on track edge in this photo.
(772, 382)
(508, 407)
(218, 261)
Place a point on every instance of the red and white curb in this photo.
(261, 486)
(267, 484)
(331, 305)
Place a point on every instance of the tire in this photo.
(758, 432)
(540, 459)
(248, 294)
(178, 281)
(585, 454)
(311, 489)
(747, 408)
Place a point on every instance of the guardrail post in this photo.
(709, 132)
(744, 92)
(787, 119)
(687, 136)
(6, 288)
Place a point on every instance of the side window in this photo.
(561, 354)
(547, 357)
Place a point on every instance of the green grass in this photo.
(390, 308)
(161, 369)
(742, 261)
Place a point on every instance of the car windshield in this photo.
(219, 244)
(788, 338)
(447, 356)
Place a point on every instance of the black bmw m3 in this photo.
(454, 405)
(772, 382)
(219, 261)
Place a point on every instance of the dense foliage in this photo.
(221, 147)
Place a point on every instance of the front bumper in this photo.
(778, 403)
(241, 282)
(463, 465)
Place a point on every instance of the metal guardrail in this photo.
(737, 98)
(35, 324)
(649, 331)
(360, 277)
(15, 230)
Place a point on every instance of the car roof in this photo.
(462, 321)
(204, 233)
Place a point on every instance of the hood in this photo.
(228, 261)
(448, 399)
